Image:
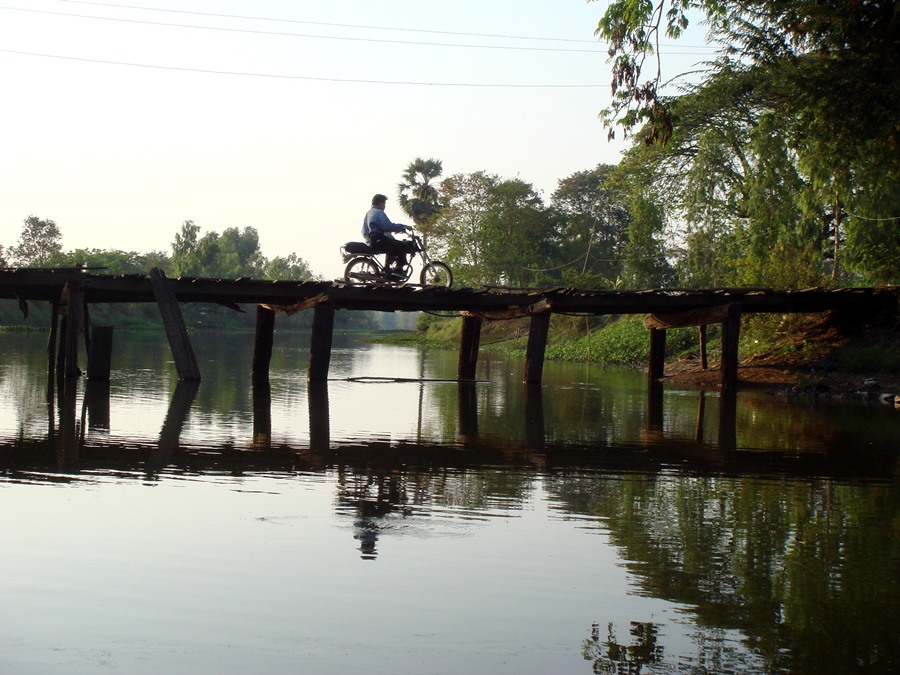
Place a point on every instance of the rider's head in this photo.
(379, 200)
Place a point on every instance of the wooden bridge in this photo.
(72, 291)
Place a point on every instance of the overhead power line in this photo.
(302, 35)
(304, 77)
(329, 24)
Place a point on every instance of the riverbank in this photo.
(817, 355)
(822, 355)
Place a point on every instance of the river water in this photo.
(393, 521)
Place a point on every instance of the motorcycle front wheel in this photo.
(436, 274)
(361, 271)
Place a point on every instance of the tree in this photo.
(239, 253)
(419, 196)
(184, 250)
(492, 231)
(40, 244)
(595, 223)
(288, 267)
(821, 82)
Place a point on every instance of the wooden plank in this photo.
(262, 345)
(657, 366)
(176, 330)
(320, 342)
(470, 339)
(537, 346)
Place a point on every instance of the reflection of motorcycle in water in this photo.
(364, 267)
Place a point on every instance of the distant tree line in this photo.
(232, 254)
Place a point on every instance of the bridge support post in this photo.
(731, 333)
(470, 339)
(100, 352)
(320, 342)
(262, 346)
(176, 330)
(657, 366)
(74, 303)
(537, 345)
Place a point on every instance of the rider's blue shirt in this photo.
(376, 221)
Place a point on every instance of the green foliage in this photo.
(40, 244)
(593, 226)
(789, 146)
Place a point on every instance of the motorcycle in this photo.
(365, 268)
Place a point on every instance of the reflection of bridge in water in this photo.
(68, 449)
(71, 292)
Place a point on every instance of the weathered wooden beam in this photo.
(731, 333)
(537, 346)
(262, 345)
(470, 339)
(74, 326)
(176, 330)
(657, 366)
(320, 342)
(692, 317)
(319, 416)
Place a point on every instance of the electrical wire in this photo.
(304, 77)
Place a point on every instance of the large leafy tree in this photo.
(594, 227)
(821, 80)
(40, 244)
(291, 267)
(418, 194)
(491, 230)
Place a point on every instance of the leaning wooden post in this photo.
(470, 339)
(657, 366)
(320, 342)
(262, 346)
(731, 333)
(537, 345)
(176, 330)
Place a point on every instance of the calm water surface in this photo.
(396, 522)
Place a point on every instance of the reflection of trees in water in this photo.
(808, 572)
(609, 656)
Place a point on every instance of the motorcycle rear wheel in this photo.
(361, 271)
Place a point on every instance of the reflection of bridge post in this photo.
(262, 412)
(319, 421)
(67, 447)
(96, 395)
(655, 414)
(468, 411)
(170, 434)
(535, 433)
(728, 419)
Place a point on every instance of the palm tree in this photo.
(417, 194)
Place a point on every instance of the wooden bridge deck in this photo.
(68, 290)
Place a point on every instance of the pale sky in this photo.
(121, 120)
